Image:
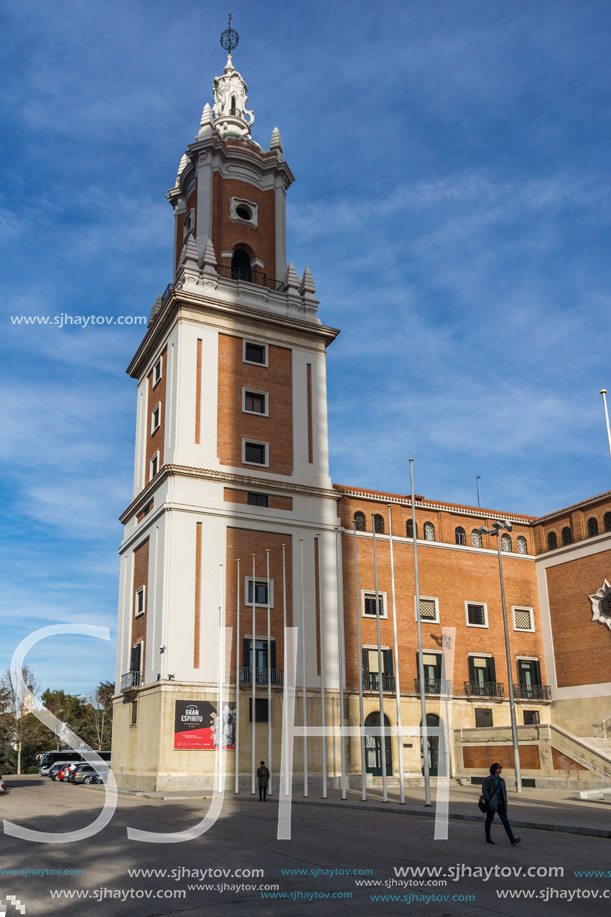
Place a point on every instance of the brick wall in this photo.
(235, 425)
(227, 234)
(582, 647)
(231, 495)
(478, 757)
(156, 395)
(141, 578)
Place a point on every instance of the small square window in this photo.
(260, 592)
(154, 465)
(260, 710)
(257, 500)
(523, 619)
(254, 453)
(483, 717)
(369, 604)
(531, 717)
(254, 402)
(140, 606)
(255, 353)
(157, 372)
(156, 418)
(476, 615)
(429, 609)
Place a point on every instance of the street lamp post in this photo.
(495, 531)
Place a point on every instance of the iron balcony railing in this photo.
(250, 276)
(277, 676)
(131, 680)
(532, 692)
(434, 686)
(371, 682)
(484, 689)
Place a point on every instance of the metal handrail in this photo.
(484, 689)
(533, 692)
(434, 686)
(277, 676)
(131, 680)
(249, 275)
(371, 682)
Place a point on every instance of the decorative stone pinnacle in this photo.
(307, 282)
(291, 279)
(276, 142)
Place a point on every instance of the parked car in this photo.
(2, 785)
(99, 778)
(85, 773)
(56, 768)
(67, 770)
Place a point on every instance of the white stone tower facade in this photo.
(231, 462)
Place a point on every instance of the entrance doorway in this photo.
(373, 747)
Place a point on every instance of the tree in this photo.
(19, 723)
(98, 716)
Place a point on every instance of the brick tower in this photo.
(231, 463)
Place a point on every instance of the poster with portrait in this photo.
(197, 725)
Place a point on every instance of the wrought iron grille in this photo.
(371, 682)
(532, 692)
(249, 275)
(484, 689)
(277, 676)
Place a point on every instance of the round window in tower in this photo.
(243, 212)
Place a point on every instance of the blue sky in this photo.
(452, 201)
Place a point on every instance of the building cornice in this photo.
(574, 506)
(421, 503)
(211, 302)
(228, 477)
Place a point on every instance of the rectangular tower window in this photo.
(257, 500)
(429, 609)
(156, 418)
(140, 608)
(134, 713)
(254, 453)
(483, 717)
(260, 586)
(476, 615)
(255, 353)
(260, 710)
(531, 717)
(157, 372)
(522, 619)
(154, 465)
(254, 402)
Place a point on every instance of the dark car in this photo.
(2, 785)
(56, 768)
(86, 772)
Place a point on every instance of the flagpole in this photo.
(285, 744)
(340, 656)
(603, 392)
(269, 680)
(380, 685)
(303, 681)
(237, 685)
(253, 675)
(322, 670)
(396, 642)
(359, 668)
(219, 712)
(424, 741)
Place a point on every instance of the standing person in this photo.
(263, 778)
(495, 792)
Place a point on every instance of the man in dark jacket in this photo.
(263, 780)
(495, 794)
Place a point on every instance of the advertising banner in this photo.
(197, 725)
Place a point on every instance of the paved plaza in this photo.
(335, 848)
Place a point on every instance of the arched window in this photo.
(429, 531)
(233, 109)
(460, 535)
(378, 522)
(592, 527)
(552, 541)
(360, 523)
(409, 528)
(607, 522)
(476, 538)
(522, 546)
(567, 535)
(240, 265)
(506, 543)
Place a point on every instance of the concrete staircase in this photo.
(593, 753)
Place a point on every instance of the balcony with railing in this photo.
(276, 676)
(532, 692)
(249, 275)
(484, 689)
(371, 682)
(131, 680)
(434, 686)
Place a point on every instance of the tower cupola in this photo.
(231, 117)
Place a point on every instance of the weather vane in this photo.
(229, 38)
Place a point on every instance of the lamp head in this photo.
(508, 525)
(483, 530)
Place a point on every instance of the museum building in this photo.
(235, 523)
